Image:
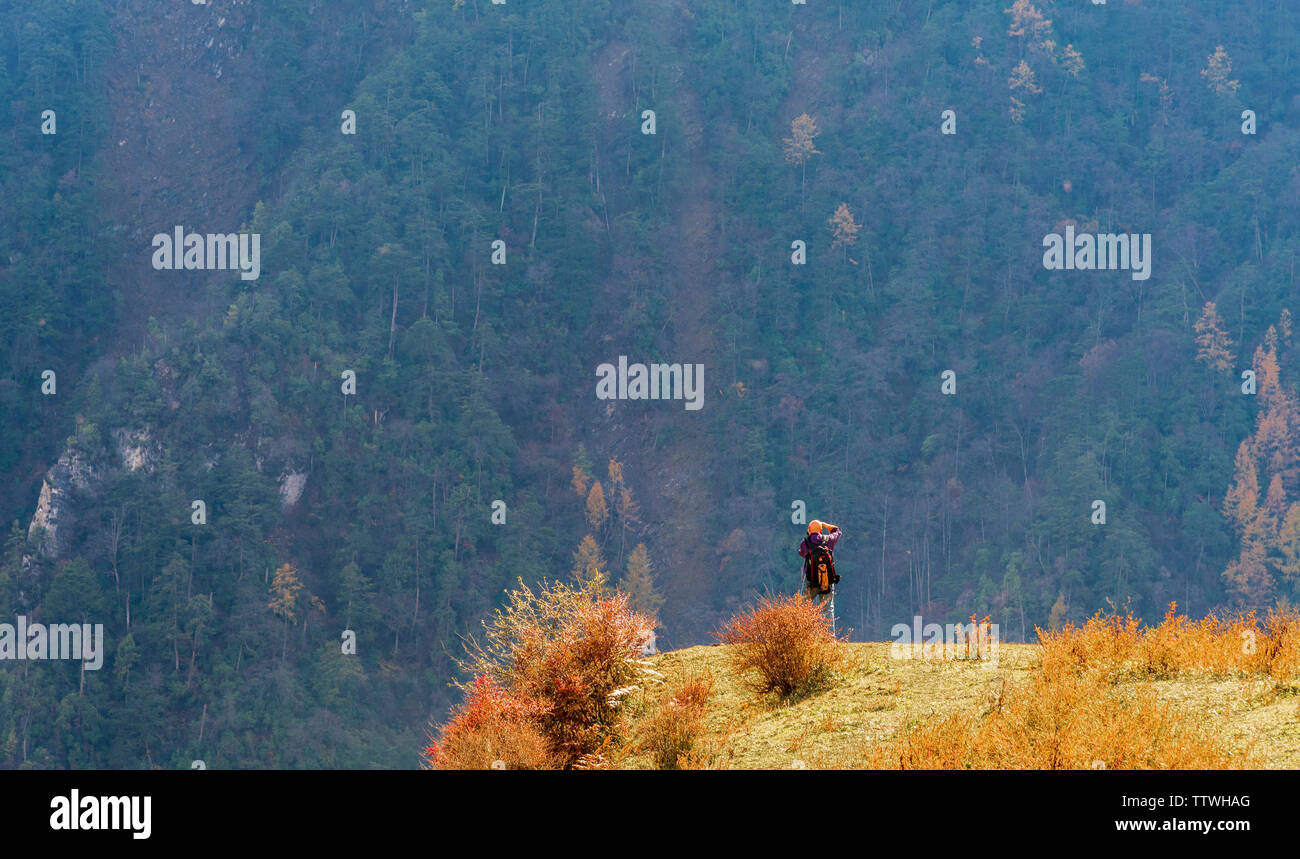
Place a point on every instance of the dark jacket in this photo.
(805, 547)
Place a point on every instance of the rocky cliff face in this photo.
(291, 487)
(137, 449)
(72, 475)
(76, 476)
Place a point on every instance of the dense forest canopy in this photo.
(837, 209)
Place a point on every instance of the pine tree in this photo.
(356, 596)
(1216, 73)
(799, 147)
(1213, 345)
(1027, 21)
(638, 583)
(1279, 414)
(629, 514)
(844, 228)
(1268, 529)
(580, 481)
(1248, 578)
(1022, 78)
(1073, 61)
(1270, 515)
(589, 565)
(1288, 544)
(1059, 614)
(626, 508)
(284, 599)
(597, 510)
(1241, 503)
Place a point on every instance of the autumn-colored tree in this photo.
(1059, 614)
(580, 481)
(284, 599)
(589, 564)
(1248, 578)
(1266, 370)
(1288, 544)
(597, 510)
(638, 583)
(1279, 414)
(629, 512)
(1241, 503)
(844, 228)
(284, 592)
(1022, 80)
(1216, 73)
(1027, 22)
(1213, 345)
(1073, 62)
(783, 645)
(800, 146)
(1275, 505)
(1267, 528)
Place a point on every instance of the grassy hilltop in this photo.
(559, 684)
(874, 695)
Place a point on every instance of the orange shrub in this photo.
(492, 725)
(572, 651)
(1279, 651)
(785, 643)
(581, 672)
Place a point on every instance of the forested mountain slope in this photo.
(373, 511)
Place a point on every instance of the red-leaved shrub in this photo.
(491, 728)
(567, 657)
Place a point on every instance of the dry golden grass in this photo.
(1084, 707)
(672, 732)
(1122, 646)
(1060, 720)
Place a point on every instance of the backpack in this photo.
(821, 569)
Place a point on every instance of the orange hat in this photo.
(814, 525)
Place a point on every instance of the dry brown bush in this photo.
(568, 657)
(785, 644)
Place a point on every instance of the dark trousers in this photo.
(813, 595)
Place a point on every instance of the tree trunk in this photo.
(392, 325)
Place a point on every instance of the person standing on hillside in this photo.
(818, 553)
